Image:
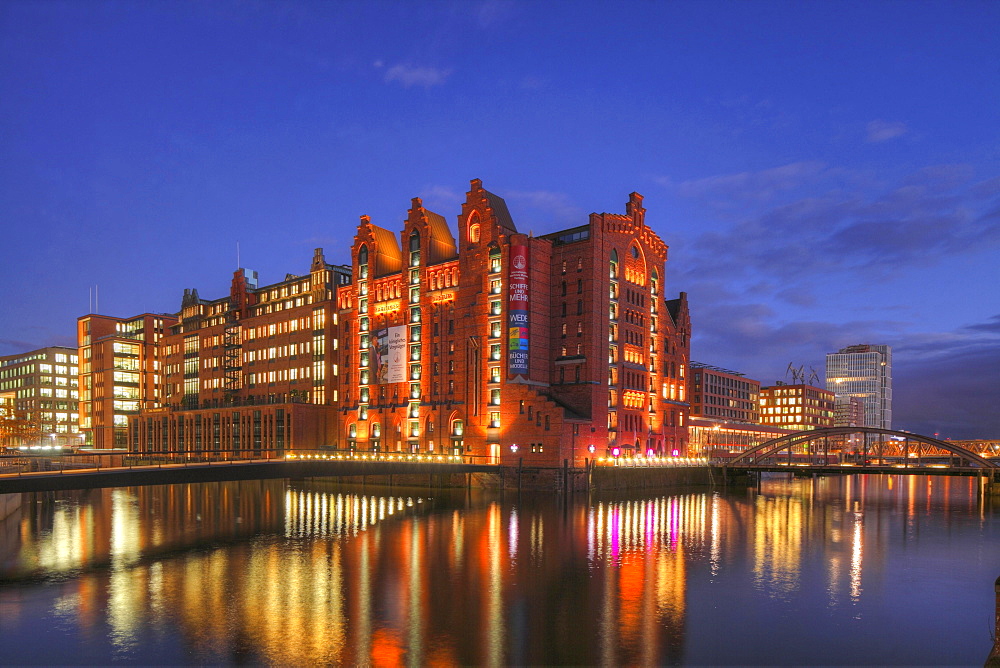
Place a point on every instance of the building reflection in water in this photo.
(304, 573)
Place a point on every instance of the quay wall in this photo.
(548, 479)
(9, 503)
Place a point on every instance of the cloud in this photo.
(412, 75)
(549, 207)
(492, 12)
(930, 214)
(880, 131)
(760, 185)
(947, 383)
(943, 382)
(441, 198)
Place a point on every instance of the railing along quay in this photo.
(19, 472)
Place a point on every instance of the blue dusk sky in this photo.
(825, 173)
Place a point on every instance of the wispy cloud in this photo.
(751, 185)
(880, 131)
(931, 213)
(946, 383)
(548, 206)
(493, 12)
(414, 75)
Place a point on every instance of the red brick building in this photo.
(492, 344)
(250, 373)
(120, 366)
(506, 346)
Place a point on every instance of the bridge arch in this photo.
(758, 453)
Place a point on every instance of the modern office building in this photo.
(865, 372)
(848, 412)
(494, 344)
(120, 373)
(718, 393)
(716, 438)
(39, 398)
(797, 407)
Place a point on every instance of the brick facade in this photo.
(492, 344)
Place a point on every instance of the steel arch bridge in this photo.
(813, 446)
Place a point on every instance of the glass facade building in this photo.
(865, 372)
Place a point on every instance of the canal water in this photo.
(853, 570)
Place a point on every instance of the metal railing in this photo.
(24, 464)
(651, 462)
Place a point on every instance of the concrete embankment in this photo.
(598, 478)
(9, 503)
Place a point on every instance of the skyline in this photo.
(825, 174)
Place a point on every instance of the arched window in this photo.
(363, 262)
(614, 263)
(494, 259)
(473, 227)
(414, 249)
(457, 428)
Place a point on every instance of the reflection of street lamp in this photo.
(53, 437)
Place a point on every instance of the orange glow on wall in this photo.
(443, 298)
(387, 307)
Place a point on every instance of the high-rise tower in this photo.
(864, 371)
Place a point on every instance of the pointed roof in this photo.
(500, 211)
(388, 256)
(442, 244)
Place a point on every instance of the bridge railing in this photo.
(31, 463)
(651, 462)
(405, 457)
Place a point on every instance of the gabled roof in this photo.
(442, 242)
(501, 212)
(388, 257)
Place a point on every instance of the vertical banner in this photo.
(380, 355)
(517, 312)
(389, 354)
(397, 354)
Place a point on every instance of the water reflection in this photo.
(310, 573)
